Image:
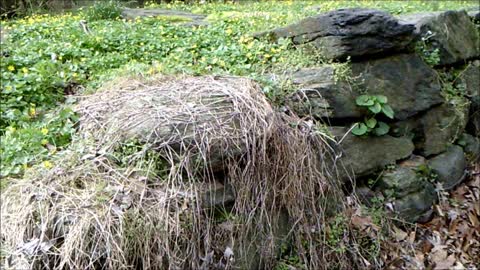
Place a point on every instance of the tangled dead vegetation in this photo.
(130, 191)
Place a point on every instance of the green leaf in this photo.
(364, 100)
(382, 129)
(376, 108)
(371, 123)
(359, 129)
(388, 111)
(381, 99)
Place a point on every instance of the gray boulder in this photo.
(471, 146)
(449, 167)
(322, 95)
(433, 131)
(451, 32)
(469, 79)
(348, 32)
(402, 181)
(364, 155)
(416, 207)
(409, 186)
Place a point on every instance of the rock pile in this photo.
(432, 113)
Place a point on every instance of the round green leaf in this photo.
(371, 123)
(388, 111)
(364, 100)
(381, 129)
(359, 129)
(381, 99)
(376, 108)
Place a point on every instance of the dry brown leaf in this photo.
(473, 219)
(446, 263)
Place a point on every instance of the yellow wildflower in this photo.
(8, 88)
(25, 70)
(229, 31)
(11, 68)
(44, 142)
(44, 131)
(47, 164)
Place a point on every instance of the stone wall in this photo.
(425, 66)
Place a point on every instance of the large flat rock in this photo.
(364, 155)
(353, 32)
(451, 32)
(323, 96)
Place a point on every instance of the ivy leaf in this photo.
(376, 108)
(382, 129)
(388, 111)
(371, 123)
(359, 129)
(381, 99)
(364, 100)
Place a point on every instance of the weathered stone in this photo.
(433, 131)
(449, 167)
(322, 95)
(469, 79)
(402, 181)
(348, 32)
(471, 147)
(364, 155)
(441, 126)
(451, 32)
(414, 162)
(416, 207)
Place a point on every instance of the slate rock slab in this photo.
(321, 95)
(351, 32)
(451, 32)
(364, 155)
(449, 167)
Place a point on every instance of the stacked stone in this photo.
(428, 134)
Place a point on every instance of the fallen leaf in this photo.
(446, 263)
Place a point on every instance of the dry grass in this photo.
(93, 212)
